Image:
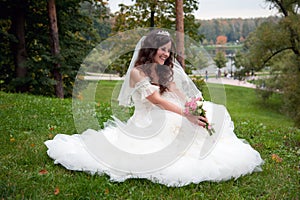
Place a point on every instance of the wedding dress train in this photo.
(158, 145)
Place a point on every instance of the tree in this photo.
(78, 32)
(140, 15)
(17, 12)
(233, 29)
(180, 32)
(221, 40)
(55, 49)
(220, 59)
(277, 46)
(239, 60)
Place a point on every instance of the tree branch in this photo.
(274, 54)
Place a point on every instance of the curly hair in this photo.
(146, 55)
(165, 76)
(164, 73)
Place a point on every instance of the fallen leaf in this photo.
(50, 136)
(43, 172)
(106, 191)
(276, 158)
(56, 191)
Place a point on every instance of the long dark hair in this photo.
(149, 47)
(160, 75)
(165, 76)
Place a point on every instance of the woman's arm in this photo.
(156, 99)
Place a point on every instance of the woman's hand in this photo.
(156, 99)
(198, 120)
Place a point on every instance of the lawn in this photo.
(26, 172)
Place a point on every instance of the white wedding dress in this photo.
(158, 145)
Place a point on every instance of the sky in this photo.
(210, 9)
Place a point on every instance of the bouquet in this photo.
(195, 107)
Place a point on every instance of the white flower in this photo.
(188, 99)
(199, 111)
(199, 103)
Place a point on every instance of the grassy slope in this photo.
(27, 121)
(243, 104)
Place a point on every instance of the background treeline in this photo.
(235, 29)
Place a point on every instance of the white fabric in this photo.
(184, 83)
(122, 149)
(126, 91)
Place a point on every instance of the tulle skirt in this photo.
(165, 149)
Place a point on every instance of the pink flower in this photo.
(198, 99)
(186, 111)
(195, 107)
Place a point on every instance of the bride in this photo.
(159, 142)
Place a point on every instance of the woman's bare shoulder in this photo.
(136, 75)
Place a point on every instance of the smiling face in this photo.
(156, 48)
(162, 53)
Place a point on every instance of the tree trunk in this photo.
(180, 32)
(18, 47)
(153, 5)
(152, 17)
(55, 50)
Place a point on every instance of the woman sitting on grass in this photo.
(164, 141)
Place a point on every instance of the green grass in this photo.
(243, 104)
(27, 121)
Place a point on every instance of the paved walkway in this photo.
(101, 76)
(225, 81)
(229, 81)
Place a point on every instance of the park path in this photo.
(224, 81)
(230, 81)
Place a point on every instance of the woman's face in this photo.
(163, 53)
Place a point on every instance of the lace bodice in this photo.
(144, 88)
(143, 106)
(141, 91)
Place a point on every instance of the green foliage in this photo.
(220, 59)
(290, 78)
(276, 46)
(236, 30)
(27, 121)
(120, 65)
(139, 15)
(264, 43)
(81, 26)
(99, 14)
(198, 81)
(266, 87)
(243, 104)
(264, 94)
(238, 59)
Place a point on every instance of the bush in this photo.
(199, 82)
